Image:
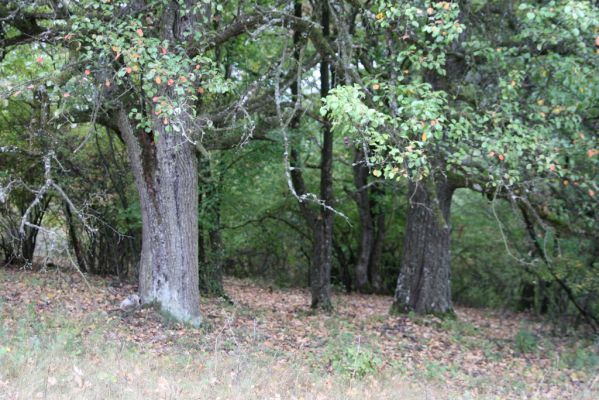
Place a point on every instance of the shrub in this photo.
(526, 341)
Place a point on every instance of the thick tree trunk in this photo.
(424, 285)
(165, 174)
(164, 166)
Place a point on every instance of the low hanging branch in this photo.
(588, 316)
(43, 191)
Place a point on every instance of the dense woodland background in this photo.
(326, 140)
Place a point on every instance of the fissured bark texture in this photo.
(424, 284)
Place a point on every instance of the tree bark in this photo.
(211, 250)
(372, 229)
(22, 249)
(165, 173)
(424, 284)
(320, 280)
(320, 221)
(344, 260)
(74, 238)
(164, 166)
(374, 269)
(361, 196)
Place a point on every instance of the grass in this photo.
(61, 341)
(58, 358)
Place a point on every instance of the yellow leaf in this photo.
(424, 137)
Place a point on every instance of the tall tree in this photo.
(320, 217)
(443, 77)
(146, 70)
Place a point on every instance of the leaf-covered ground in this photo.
(60, 338)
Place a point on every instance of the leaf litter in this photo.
(476, 353)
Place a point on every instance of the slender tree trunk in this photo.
(320, 280)
(320, 221)
(424, 285)
(586, 314)
(374, 269)
(210, 242)
(29, 240)
(74, 239)
(362, 199)
(165, 174)
(372, 229)
(344, 263)
(216, 267)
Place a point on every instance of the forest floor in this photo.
(60, 338)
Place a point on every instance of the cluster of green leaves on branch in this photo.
(130, 52)
(505, 106)
(506, 117)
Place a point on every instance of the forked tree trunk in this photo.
(372, 229)
(26, 249)
(165, 173)
(424, 285)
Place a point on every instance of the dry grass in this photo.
(66, 363)
(59, 340)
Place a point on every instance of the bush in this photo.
(351, 359)
(526, 341)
